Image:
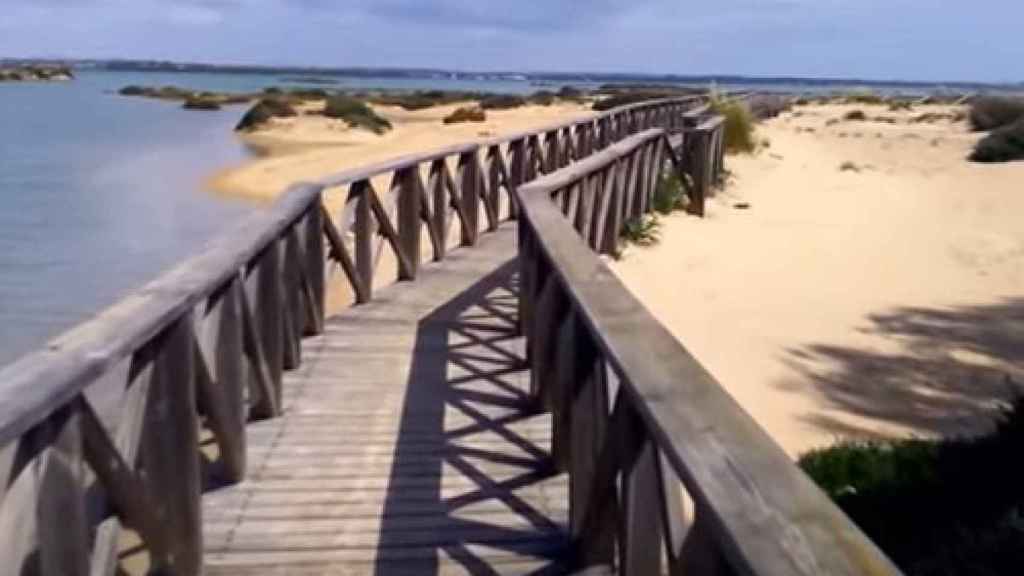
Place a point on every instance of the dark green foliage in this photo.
(991, 112)
(272, 90)
(263, 111)
(863, 97)
(466, 114)
(570, 93)
(306, 94)
(501, 102)
(642, 231)
(669, 195)
(937, 508)
(132, 91)
(201, 103)
(739, 124)
(542, 98)
(1001, 145)
(897, 105)
(355, 113)
(855, 115)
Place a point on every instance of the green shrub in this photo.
(669, 194)
(355, 113)
(863, 97)
(466, 114)
(201, 103)
(570, 93)
(263, 111)
(542, 98)
(642, 231)
(991, 112)
(937, 508)
(855, 115)
(739, 124)
(1001, 145)
(132, 91)
(502, 102)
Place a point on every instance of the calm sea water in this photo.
(99, 193)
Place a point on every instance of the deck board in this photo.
(406, 444)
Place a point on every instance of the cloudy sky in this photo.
(877, 39)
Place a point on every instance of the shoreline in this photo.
(309, 148)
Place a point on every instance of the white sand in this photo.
(885, 301)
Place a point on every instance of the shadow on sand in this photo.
(952, 371)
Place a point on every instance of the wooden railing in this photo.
(660, 458)
(452, 186)
(121, 421)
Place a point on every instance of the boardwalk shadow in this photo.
(948, 374)
(472, 472)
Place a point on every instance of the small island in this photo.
(36, 74)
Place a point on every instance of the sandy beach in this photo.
(885, 298)
(311, 147)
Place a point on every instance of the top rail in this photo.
(636, 414)
(355, 174)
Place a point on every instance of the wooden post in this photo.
(469, 177)
(220, 376)
(315, 269)
(263, 288)
(406, 187)
(170, 451)
(364, 229)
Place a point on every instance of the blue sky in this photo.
(876, 39)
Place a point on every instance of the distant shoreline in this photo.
(581, 77)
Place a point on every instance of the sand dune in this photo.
(311, 147)
(883, 299)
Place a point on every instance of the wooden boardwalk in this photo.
(406, 445)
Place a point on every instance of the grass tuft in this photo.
(263, 111)
(355, 113)
(855, 116)
(642, 231)
(466, 114)
(669, 194)
(739, 124)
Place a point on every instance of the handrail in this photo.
(107, 413)
(636, 414)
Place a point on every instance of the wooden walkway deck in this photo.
(406, 445)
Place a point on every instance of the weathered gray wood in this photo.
(263, 295)
(221, 375)
(170, 454)
(640, 532)
(469, 180)
(314, 269)
(340, 253)
(406, 187)
(746, 487)
(359, 194)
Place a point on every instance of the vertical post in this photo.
(292, 315)
(264, 290)
(170, 451)
(437, 182)
(407, 187)
(469, 177)
(517, 172)
(364, 230)
(315, 268)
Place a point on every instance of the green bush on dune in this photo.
(466, 114)
(669, 194)
(501, 102)
(739, 124)
(1001, 145)
(263, 111)
(937, 508)
(991, 112)
(355, 113)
